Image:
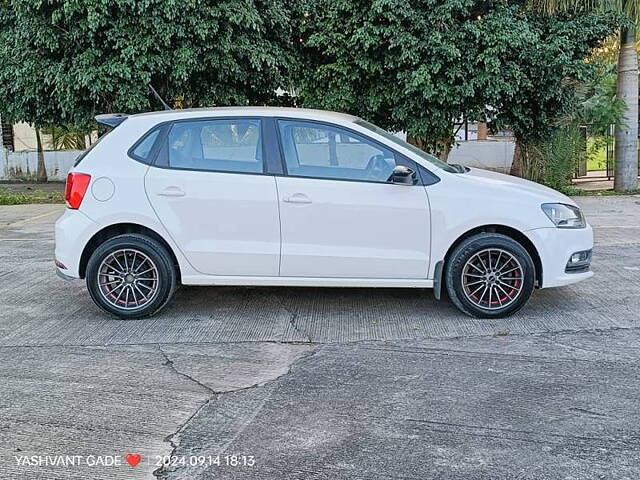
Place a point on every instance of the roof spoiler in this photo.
(111, 120)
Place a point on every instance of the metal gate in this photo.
(6, 135)
(582, 169)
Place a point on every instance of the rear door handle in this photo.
(171, 192)
(297, 198)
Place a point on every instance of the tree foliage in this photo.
(599, 108)
(61, 61)
(417, 66)
(554, 159)
(553, 71)
(626, 132)
(67, 137)
(412, 66)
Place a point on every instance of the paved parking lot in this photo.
(322, 383)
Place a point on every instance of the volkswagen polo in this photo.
(294, 197)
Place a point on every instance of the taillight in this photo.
(75, 189)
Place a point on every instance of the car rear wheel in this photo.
(489, 275)
(131, 276)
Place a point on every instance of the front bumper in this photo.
(63, 276)
(73, 230)
(555, 247)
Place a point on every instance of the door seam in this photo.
(161, 223)
(275, 180)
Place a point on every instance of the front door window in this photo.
(322, 151)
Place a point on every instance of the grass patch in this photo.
(37, 196)
(578, 192)
(597, 156)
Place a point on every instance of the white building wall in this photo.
(24, 138)
(496, 155)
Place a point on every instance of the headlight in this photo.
(564, 216)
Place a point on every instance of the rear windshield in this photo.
(398, 141)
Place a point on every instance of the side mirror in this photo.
(403, 176)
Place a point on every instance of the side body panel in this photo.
(224, 223)
(348, 229)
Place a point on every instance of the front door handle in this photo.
(171, 192)
(297, 198)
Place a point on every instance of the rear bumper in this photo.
(555, 246)
(72, 232)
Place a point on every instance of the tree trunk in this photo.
(517, 164)
(416, 142)
(41, 174)
(443, 148)
(483, 131)
(626, 172)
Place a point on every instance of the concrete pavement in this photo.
(322, 383)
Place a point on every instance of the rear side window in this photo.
(142, 150)
(225, 145)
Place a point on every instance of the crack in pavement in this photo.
(293, 316)
(160, 472)
(171, 365)
(173, 440)
(246, 423)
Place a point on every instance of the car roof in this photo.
(302, 113)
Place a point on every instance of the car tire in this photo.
(131, 276)
(489, 275)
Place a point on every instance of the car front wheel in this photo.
(131, 276)
(489, 275)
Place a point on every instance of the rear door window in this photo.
(224, 145)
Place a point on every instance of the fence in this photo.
(599, 158)
(24, 165)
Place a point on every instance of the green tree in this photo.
(600, 109)
(412, 66)
(63, 61)
(554, 160)
(550, 88)
(419, 66)
(626, 142)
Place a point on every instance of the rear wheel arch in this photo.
(118, 229)
(510, 232)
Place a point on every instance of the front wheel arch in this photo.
(510, 232)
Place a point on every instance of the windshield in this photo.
(398, 141)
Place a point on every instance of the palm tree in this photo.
(67, 137)
(626, 146)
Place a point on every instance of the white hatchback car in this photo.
(277, 196)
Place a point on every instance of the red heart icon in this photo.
(133, 459)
